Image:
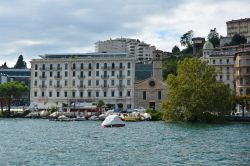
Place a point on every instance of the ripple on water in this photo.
(42, 142)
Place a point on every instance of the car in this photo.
(140, 109)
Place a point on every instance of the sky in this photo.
(38, 27)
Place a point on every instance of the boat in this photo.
(113, 121)
(80, 118)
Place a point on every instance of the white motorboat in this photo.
(113, 121)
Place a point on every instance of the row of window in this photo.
(74, 66)
(81, 94)
(221, 61)
(105, 83)
(221, 77)
(97, 74)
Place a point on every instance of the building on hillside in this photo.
(198, 43)
(143, 52)
(222, 58)
(242, 75)
(71, 78)
(150, 90)
(241, 26)
(22, 75)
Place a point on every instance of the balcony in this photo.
(120, 76)
(120, 87)
(42, 77)
(104, 86)
(105, 76)
(43, 68)
(56, 68)
(81, 77)
(42, 86)
(80, 86)
(58, 77)
(58, 86)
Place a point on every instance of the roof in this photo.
(83, 55)
(239, 20)
(208, 46)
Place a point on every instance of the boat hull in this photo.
(113, 125)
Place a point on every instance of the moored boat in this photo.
(113, 121)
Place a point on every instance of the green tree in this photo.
(100, 103)
(4, 66)
(186, 38)
(20, 64)
(12, 90)
(194, 94)
(238, 39)
(176, 50)
(170, 66)
(214, 37)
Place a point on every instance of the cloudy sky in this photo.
(32, 28)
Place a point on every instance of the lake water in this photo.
(42, 142)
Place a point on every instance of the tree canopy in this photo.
(4, 66)
(20, 64)
(100, 104)
(176, 50)
(186, 38)
(238, 39)
(214, 38)
(11, 90)
(194, 94)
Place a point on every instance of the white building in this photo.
(70, 78)
(143, 52)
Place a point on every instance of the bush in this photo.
(156, 115)
(53, 109)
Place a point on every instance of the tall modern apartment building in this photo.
(70, 78)
(241, 26)
(143, 52)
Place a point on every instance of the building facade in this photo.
(143, 52)
(65, 79)
(241, 26)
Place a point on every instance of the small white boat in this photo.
(80, 118)
(113, 121)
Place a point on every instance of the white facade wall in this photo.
(80, 84)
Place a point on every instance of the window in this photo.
(214, 61)
(105, 73)
(81, 65)
(43, 83)
(227, 61)
(129, 65)
(66, 74)
(51, 74)
(97, 93)
(113, 73)
(128, 93)
(43, 66)
(43, 74)
(50, 82)
(65, 94)
(128, 105)
(220, 61)
(89, 74)
(73, 83)
(36, 66)
(89, 82)
(228, 77)
(112, 93)
(35, 93)
(128, 82)
(113, 65)
(81, 94)
(159, 95)
(128, 73)
(104, 94)
(97, 66)
(35, 74)
(89, 93)
(51, 66)
(81, 83)
(248, 69)
(120, 93)
(66, 66)
(58, 83)
(120, 65)
(58, 74)
(65, 82)
(42, 94)
(105, 66)
(74, 94)
(120, 82)
(74, 74)
(81, 74)
(90, 66)
(97, 82)
(144, 95)
(50, 94)
(35, 83)
(74, 66)
(58, 66)
(221, 77)
(113, 82)
(97, 73)
(227, 69)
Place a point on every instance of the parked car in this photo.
(140, 109)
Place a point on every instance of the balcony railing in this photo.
(80, 86)
(120, 86)
(81, 76)
(58, 77)
(120, 76)
(58, 86)
(104, 76)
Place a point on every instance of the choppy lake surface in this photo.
(42, 142)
